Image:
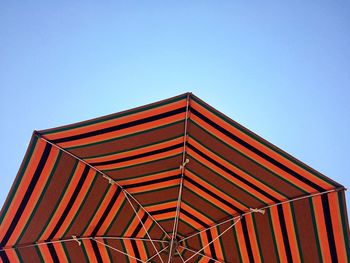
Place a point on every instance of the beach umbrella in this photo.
(172, 181)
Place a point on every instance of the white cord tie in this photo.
(184, 164)
(256, 210)
(110, 180)
(76, 239)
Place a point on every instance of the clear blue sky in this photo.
(281, 69)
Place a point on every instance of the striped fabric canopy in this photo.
(173, 181)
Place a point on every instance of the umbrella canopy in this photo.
(173, 181)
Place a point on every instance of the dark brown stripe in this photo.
(233, 174)
(28, 194)
(329, 228)
(120, 126)
(141, 155)
(257, 151)
(77, 189)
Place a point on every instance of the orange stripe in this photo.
(234, 180)
(23, 186)
(216, 191)
(293, 243)
(278, 234)
(146, 226)
(90, 251)
(59, 211)
(12, 256)
(139, 161)
(122, 132)
(152, 187)
(35, 195)
(129, 153)
(217, 244)
(147, 178)
(254, 156)
(197, 214)
(114, 210)
(103, 251)
(156, 207)
(117, 121)
(130, 251)
(241, 242)
(205, 242)
(45, 253)
(253, 238)
(337, 227)
(77, 203)
(134, 223)
(321, 228)
(142, 250)
(100, 210)
(210, 199)
(190, 221)
(60, 252)
(164, 216)
(235, 169)
(262, 147)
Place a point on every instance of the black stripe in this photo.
(120, 126)
(163, 211)
(284, 234)
(4, 257)
(141, 155)
(211, 246)
(330, 235)
(136, 251)
(53, 253)
(247, 240)
(194, 218)
(257, 151)
(28, 194)
(213, 195)
(155, 181)
(233, 174)
(106, 212)
(139, 226)
(77, 189)
(97, 251)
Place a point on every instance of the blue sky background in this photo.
(280, 69)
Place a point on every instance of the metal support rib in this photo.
(115, 249)
(201, 254)
(160, 251)
(182, 167)
(105, 176)
(258, 210)
(133, 208)
(75, 238)
(227, 229)
(177, 250)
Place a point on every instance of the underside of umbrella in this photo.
(172, 181)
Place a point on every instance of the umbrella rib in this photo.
(180, 255)
(216, 225)
(133, 208)
(259, 210)
(201, 254)
(133, 238)
(227, 229)
(74, 238)
(113, 248)
(182, 167)
(160, 251)
(111, 181)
